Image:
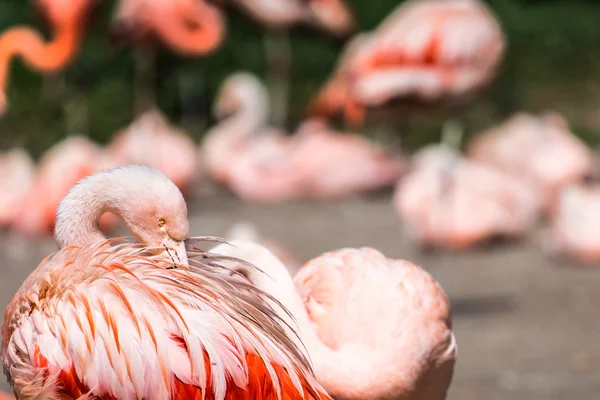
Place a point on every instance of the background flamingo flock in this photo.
(169, 315)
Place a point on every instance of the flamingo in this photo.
(260, 163)
(375, 328)
(540, 148)
(5, 396)
(17, 174)
(574, 221)
(450, 201)
(59, 169)
(152, 141)
(247, 232)
(187, 27)
(331, 16)
(148, 320)
(67, 20)
(427, 53)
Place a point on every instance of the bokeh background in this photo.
(552, 62)
(527, 326)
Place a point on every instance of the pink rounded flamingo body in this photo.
(152, 141)
(427, 52)
(449, 201)
(374, 328)
(541, 149)
(332, 16)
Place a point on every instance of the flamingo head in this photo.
(157, 216)
(149, 203)
(240, 90)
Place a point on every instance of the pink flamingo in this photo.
(188, 27)
(542, 149)
(375, 328)
(17, 173)
(67, 19)
(437, 52)
(574, 222)
(261, 164)
(150, 320)
(59, 169)
(152, 141)
(246, 232)
(449, 201)
(330, 15)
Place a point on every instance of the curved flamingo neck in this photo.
(30, 45)
(79, 212)
(337, 367)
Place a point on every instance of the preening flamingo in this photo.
(151, 140)
(147, 320)
(574, 222)
(375, 328)
(259, 163)
(246, 232)
(58, 170)
(427, 53)
(449, 201)
(67, 18)
(541, 148)
(17, 174)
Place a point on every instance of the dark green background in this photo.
(553, 62)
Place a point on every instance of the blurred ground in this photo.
(527, 328)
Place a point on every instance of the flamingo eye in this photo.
(161, 221)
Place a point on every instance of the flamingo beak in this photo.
(176, 250)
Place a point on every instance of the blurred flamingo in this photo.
(17, 173)
(152, 141)
(187, 27)
(67, 18)
(147, 323)
(58, 170)
(426, 54)
(575, 218)
(542, 149)
(247, 232)
(6, 396)
(449, 201)
(375, 328)
(331, 16)
(261, 164)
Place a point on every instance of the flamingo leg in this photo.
(278, 54)
(145, 83)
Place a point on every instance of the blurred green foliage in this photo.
(553, 62)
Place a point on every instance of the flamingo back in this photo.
(113, 322)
